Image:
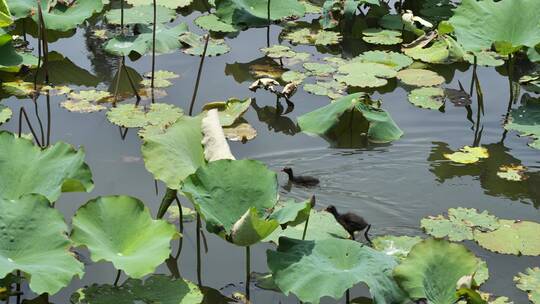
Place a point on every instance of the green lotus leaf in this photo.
(229, 111)
(380, 126)
(526, 121)
(161, 79)
(293, 76)
(196, 43)
(120, 229)
(240, 131)
(319, 37)
(81, 106)
(5, 14)
(436, 53)
(512, 237)
(278, 51)
(20, 8)
(291, 213)
(175, 154)
(484, 58)
(480, 24)
(460, 224)
(432, 269)
(143, 14)
(420, 77)
(173, 214)
(66, 17)
(172, 4)
(396, 246)
(139, 45)
(530, 283)
(5, 114)
(365, 74)
(394, 60)
(212, 23)
(89, 95)
(381, 36)
(427, 98)
(333, 89)
(5, 37)
(131, 116)
(12, 61)
(251, 228)
(19, 88)
(468, 155)
(25, 168)
(34, 241)
(253, 13)
(319, 69)
(157, 288)
(222, 202)
(322, 225)
(314, 269)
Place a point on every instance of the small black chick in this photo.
(351, 222)
(300, 180)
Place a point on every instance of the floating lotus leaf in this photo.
(25, 168)
(120, 229)
(212, 23)
(139, 45)
(468, 155)
(365, 74)
(240, 131)
(66, 17)
(420, 77)
(278, 51)
(512, 237)
(173, 155)
(172, 4)
(143, 14)
(530, 283)
(252, 13)
(5, 114)
(89, 95)
(196, 43)
(234, 204)
(381, 36)
(34, 241)
(396, 246)
(526, 121)
(12, 61)
(157, 288)
(427, 98)
(314, 269)
(380, 126)
(322, 225)
(394, 60)
(131, 116)
(484, 58)
(188, 214)
(161, 79)
(489, 298)
(332, 89)
(512, 172)
(319, 37)
(319, 69)
(229, 111)
(81, 106)
(430, 259)
(436, 53)
(293, 76)
(480, 24)
(5, 14)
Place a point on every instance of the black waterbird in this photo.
(300, 180)
(351, 222)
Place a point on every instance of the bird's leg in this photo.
(352, 236)
(366, 235)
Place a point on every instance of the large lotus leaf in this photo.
(5, 114)
(21, 8)
(526, 121)
(64, 18)
(5, 14)
(394, 60)
(229, 111)
(314, 269)
(120, 229)
(432, 269)
(167, 41)
(248, 13)
(33, 239)
(382, 127)
(26, 168)
(251, 228)
(223, 190)
(141, 15)
(322, 225)
(512, 237)
(212, 23)
(436, 53)
(131, 116)
(480, 24)
(157, 288)
(12, 61)
(175, 154)
(365, 74)
(460, 224)
(396, 246)
(420, 77)
(530, 282)
(172, 4)
(427, 98)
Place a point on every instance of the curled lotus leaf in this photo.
(137, 246)
(195, 45)
(432, 258)
(26, 168)
(381, 36)
(365, 74)
(468, 155)
(229, 111)
(172, 4)
(5, 114)
(396, 246)
(212, 23)
(31, 226)
(512, 237)
(141, 14)
(529, 281)
(514, 173)
(420, 77)
(314, 269)
(291, 213)
(427, 98)
(394, 60)
(251, 228)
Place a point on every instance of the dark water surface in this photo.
(392, 185)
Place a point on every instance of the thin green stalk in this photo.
(201, 64)
(269, 24)
(154, 50)
(199, 266)
(181, 227)
(22, 113)
(305, 228)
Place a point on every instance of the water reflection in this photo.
(273, 117)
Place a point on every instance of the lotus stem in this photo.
(510, 67)
(348, 296)
(122, 16)
(269, 24)
(156, 187)
(154, 50)
(305, 228)
(181, 227)
(199, 266)
(49, 120)
(117, 84)
(131, 83)
(18, 287)
(206, 38)
(473, 73)
(248, 271)
(24, 30)
(22, 112)
(118, 274)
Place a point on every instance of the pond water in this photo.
(393, 185)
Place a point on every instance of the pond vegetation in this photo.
(348, 56)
